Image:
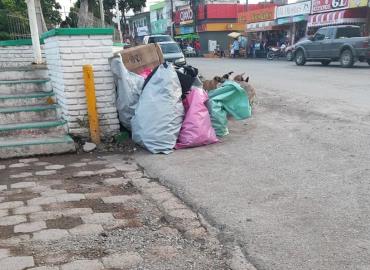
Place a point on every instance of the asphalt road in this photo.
(291, 185)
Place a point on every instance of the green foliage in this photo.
(135, 5)
(18, 8)
(50, 9)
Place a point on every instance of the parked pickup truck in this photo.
(334, 43)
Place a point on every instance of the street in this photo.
(290, 184)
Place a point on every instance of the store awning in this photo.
(234, 35)
(294, 19)
(349, 16)
(187, 36)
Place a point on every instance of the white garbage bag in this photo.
(160, 112)
(129, 88)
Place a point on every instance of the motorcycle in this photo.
(274, 52)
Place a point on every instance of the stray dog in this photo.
(209, 85)
(244, 83)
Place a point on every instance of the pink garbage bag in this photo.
(145, 72)
(196, 129)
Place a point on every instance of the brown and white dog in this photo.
(244, 83)
(209, 85)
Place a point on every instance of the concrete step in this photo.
(26, 114)
(29, 146)
(33, 98)
(24, 73)
(34, 129)
(11, 87)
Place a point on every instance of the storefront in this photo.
(215, 22)
(217, 32)
(334, 12)
(262, 30)
(184, 21)
(160, 21)
(294, 17)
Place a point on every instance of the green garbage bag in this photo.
(229, 99)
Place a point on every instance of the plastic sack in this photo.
(145, 72)
(196, 130)
(160, 112)
(231, 99)
(129, 88)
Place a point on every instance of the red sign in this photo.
(184, 15)
(319, 6)
(258, 15)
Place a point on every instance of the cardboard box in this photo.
(140, 57)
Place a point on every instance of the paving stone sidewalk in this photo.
(92, 212)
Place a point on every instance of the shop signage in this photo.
(186, 15)
(293, 9)
(358, 3)
(260, 26)
(319, 6)
(260, 15)
(142, 31)
(186, 30)
(220, 27)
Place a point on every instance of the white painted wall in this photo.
(17, 56)
(65, 56)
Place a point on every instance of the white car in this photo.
(172, 52)
(157, 38)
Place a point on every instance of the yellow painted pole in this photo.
(91, 103)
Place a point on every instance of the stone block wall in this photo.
(67, 50)
(17, 53)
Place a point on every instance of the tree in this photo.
(17, 9)
(50, 10)
(127, 5)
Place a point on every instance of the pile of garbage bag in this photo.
(167, 108)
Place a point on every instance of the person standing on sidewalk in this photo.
(235, 48)
(197, 47)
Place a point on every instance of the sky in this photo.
(66, 4)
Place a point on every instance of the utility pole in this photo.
(118, 21)
(171, 16)
(102, 13)
(34, 31)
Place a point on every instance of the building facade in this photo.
(215, 22)
(140, 26)
(161, 18)
(295, 17)
(334, 12)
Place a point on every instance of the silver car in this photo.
(172, 53)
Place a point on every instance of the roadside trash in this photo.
(230, 99)
(196, 130)
(139, 58)
(187, 76)
(121, 137)
(160, 112)
(168, 107)
(129, 88)
(88, 147)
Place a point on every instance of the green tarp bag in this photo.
(229, 99)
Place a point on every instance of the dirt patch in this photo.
(22, 196)
(134, 223)
(63, 223)
(125, 213)
(6, 232)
